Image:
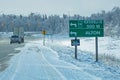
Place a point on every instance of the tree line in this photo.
(55, 24)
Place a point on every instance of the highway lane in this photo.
(37, 62)
(6, 52)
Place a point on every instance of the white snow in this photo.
(37, 62)
(55, 61)
(106, 45)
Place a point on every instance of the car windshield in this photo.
(14, 36)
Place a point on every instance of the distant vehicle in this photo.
(15, 39)
(18, 35)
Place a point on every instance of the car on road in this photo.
(15, 39)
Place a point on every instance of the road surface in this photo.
(6, 51)
(37, 62)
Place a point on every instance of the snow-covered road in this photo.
(37, 62)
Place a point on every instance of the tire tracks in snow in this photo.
(73, 67)
(48, 68)
(53, 67)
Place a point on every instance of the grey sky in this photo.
(82, 7)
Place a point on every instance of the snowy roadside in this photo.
(58, 48)
(86, 55)
(109, 48)
(107, 45)
(36, 62)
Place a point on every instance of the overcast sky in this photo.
(82, 7)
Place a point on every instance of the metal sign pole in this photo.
(44, 40)
(75, 48)
(96, 41)
(44, 33)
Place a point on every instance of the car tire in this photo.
(10, 42)
(19, 42)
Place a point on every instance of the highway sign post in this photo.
(87, 28)
(44, 33)
(75, 42)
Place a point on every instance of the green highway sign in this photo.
(86, 28)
